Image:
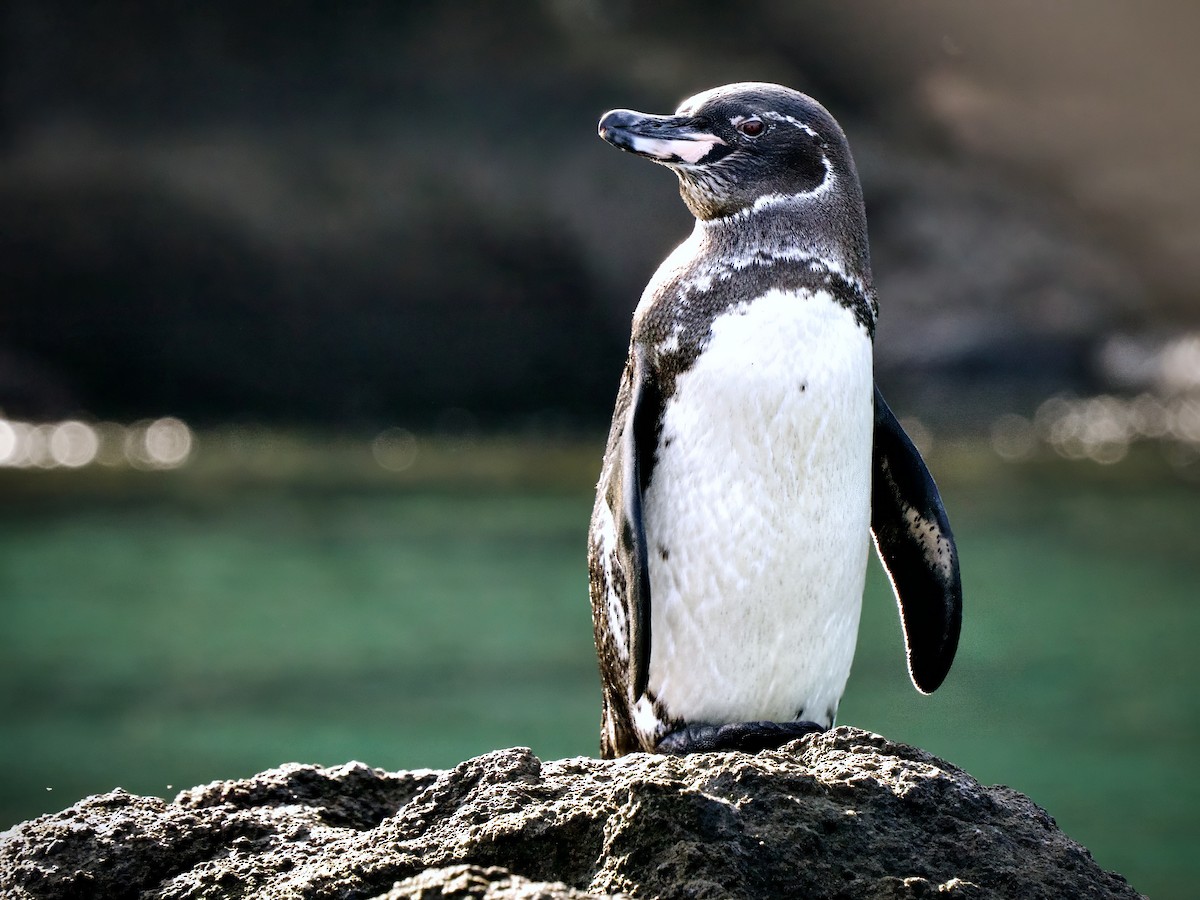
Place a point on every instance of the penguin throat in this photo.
(784, 229)
(712, 192)
(738, 242)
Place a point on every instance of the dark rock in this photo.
(492, 883)
(845, 814)
(991, 298)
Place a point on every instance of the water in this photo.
(160, 638)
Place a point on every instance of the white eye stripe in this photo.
(790, 120)
(777, 117)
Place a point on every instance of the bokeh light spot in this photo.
(395, 449)
(8, 443)
(167, 443)
(73, 444)
(1014, 437)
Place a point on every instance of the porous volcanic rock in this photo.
(845, 814)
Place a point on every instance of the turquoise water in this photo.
(177, 633)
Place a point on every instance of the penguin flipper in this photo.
(914, 543)
(638, 444)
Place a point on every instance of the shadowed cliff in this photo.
(377, 214)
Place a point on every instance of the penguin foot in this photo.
(749, 737)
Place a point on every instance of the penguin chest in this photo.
(757, 515)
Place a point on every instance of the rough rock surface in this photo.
(845, 814)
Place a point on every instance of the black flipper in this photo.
(913, 539)
(638, 444)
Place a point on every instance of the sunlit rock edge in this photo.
(842, 814)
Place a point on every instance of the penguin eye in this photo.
(752, 127)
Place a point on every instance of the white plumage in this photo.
(760, 499)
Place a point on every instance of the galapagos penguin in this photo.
(750, 454)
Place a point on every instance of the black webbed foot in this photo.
(749, 737)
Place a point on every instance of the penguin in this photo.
(751, 457)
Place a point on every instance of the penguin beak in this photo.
(673, 140)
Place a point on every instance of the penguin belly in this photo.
(757, 515)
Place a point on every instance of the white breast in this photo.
(757, 515)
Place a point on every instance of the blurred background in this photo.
(311, 319)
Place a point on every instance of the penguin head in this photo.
(743, 146)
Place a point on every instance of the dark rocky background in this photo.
(365, 213)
